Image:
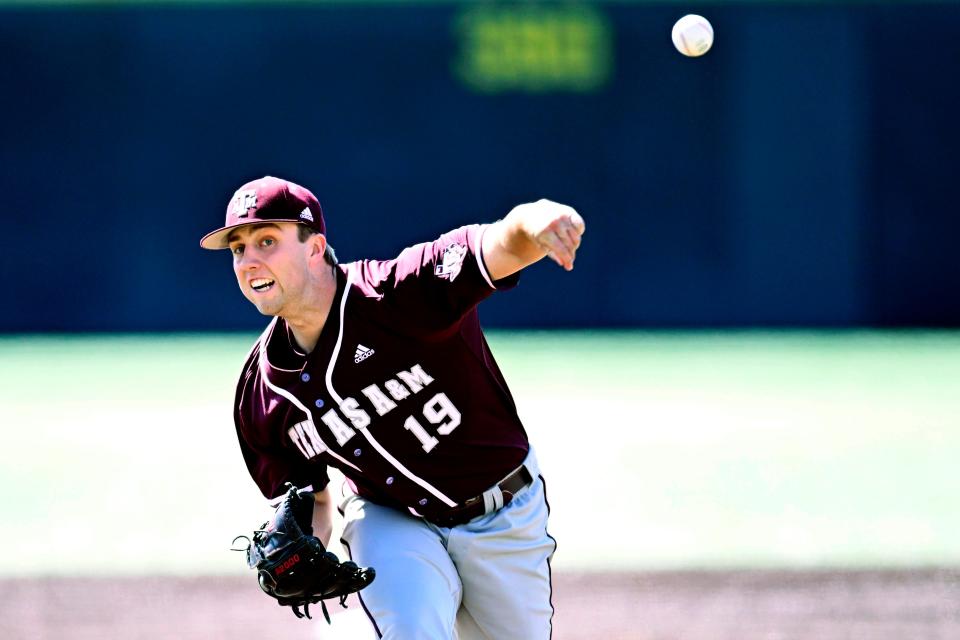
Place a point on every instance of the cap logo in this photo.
(306, 215)
(243, 201)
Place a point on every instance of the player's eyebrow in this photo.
(253, 227)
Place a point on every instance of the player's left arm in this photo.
(323, 516)
(530, 232)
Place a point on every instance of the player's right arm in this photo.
(529, 233)
(433, 286)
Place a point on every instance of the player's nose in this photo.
(247, 261)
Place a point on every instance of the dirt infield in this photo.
(762, 605)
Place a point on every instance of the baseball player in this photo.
(379, 368)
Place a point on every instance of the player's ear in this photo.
(318, 245)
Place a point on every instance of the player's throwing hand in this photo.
(530, 232)
(555, 227)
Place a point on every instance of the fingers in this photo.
(560, 248)
(575, 220)
(561, 238)
(554, 228)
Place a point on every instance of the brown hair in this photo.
(304, 232)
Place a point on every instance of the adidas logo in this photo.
(306, 215)
(362, 353)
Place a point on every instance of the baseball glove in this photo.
(292, 564)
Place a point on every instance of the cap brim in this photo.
(217, 239)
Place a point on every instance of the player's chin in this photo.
(267, 307)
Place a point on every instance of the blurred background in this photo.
(755, 365)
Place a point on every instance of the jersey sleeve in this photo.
(271, 472)
(270, 463)
(434, 285)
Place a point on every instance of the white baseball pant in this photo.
(487, 579)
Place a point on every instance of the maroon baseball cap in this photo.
(268, 199)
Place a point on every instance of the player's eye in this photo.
(267, 242)
(237, 250)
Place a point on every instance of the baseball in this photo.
(692, 35)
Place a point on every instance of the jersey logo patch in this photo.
(451, 262)
(362, 353)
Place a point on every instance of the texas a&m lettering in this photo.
(438, 411)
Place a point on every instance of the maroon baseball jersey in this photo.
(401, 392)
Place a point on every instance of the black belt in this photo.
(476, 507)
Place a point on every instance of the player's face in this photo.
(271, 266)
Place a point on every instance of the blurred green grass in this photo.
(661, 450)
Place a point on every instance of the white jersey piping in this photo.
(477, 252)
(366, 432)
(289, 396)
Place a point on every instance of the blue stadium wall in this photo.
(797, 175)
